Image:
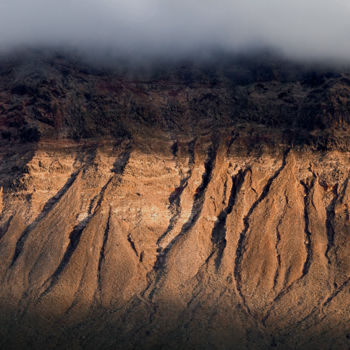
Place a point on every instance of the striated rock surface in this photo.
(191, 208)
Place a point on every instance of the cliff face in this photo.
(192, 209)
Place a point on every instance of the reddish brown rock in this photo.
(166, 214)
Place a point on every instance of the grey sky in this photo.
(307, 29)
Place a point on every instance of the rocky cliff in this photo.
(187, 207)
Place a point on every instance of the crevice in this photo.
(121, 162)
(118, 169)
(242, 238)
(103, 249)
(174, 149)
(74, 239)
(330, 227)
(81, 224)
(336, 292)
(330, 220)
(191, 148)
(92, 202)
(47, 208)
(278, 257)
(308, 246)
(152, 278)
(197, 204)
(75, 235)
(175, 196)
(278, 240)
(49, 205)
(218, 236)
(132, 245)
(224, 193)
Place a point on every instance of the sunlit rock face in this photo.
(185, 207)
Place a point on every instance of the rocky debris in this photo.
(271, 102)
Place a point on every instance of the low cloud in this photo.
(306, 29)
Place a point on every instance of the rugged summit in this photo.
(188, 206)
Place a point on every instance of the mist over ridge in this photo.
(312, 30)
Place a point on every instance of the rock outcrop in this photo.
(197, 208)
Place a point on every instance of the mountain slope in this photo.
(177, 211)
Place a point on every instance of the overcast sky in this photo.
(300, 28)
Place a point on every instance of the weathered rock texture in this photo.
(209, 212)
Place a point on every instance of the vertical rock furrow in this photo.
(102, 252)
(197, 204)
(122, 161)
(75, 235)
(74, 239)
(330, 227)
(242, 238)
(218, 235)
(337, 200)
(175, 149)
(1, 200)
(132, 245)
(308, 244)
(175, 196)
(278, 241)
(278, 256)
(47, 208)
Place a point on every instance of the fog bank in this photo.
(306, 29)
